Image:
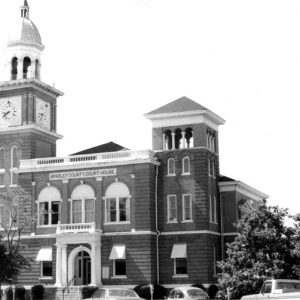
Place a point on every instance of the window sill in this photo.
(172, 222)
(119, 277)
(46, 226)
(13, 185)
(2, 171)
(46, 278)
(116, 223)
(187, 221)
(2, 186)
(186, 174)
(171, 175)
(180, 276)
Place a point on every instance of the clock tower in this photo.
(27, 104)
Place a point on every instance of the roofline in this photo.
(243, 188)
(29, 83)
(209, 114)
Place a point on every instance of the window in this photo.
(213, 169)
(45, 258)
(214, 261)
(186, 166)
(267, 288)
(171, 167)
(172, 208)
(209, 167)
(117, 203)
(46, 269)
(210, 209)
(179, 254)
(215, 210)
(83, 204)
(187, 207)
(13, 165)
(211, 141)
(118, 255)
(49, 206)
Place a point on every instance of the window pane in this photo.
(55, 212)
(111, 210)
(187, 207)
(1, 158)
(44, 213)
(124, 209)
(186, 165)
(89, 210)
(171, 166)
(14, 157)
(46, 268)
(172, 206)
(181, 265)
(120, 267)
(77, 213)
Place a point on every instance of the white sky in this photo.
(119, 59)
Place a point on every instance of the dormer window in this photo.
(171, 167)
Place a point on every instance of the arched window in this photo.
(117, 203)
(37, 69)
(14, 68)
(167, 140)
(171, 167)
(189, 138)
(2, 167)
(178, 138)
(26, 67)
(186, 166)
(13, 165)
(49, 201)
(83, 204)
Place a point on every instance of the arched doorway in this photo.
(82, 268)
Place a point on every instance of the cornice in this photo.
(242, 188)
(30, 128)
(30, 83)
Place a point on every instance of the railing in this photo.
(76, 227)
(84, 159)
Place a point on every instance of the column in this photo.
(32, 70)
(64, 265)
(58, 265)
(164, 141)
(173, 140)
(20, 68)
(96, 264)
(98, 204)
(183, 140)
(64, 205)
(33, 210)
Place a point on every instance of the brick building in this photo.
(109, 215)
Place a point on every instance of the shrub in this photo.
(88, 291)
(37, 292)
(159, 292)
(8, 293)
(20, 293)
(200, 286)
(212, 291)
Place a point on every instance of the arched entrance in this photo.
(82, 268)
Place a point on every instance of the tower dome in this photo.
(25, 32)
(24, 48)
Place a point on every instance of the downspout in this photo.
(156, 227)
(222, 227)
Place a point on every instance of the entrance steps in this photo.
(64, 293)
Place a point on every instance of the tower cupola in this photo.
(24, 48)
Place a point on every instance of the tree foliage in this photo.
(11, 259)
(264, 248)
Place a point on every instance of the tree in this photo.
(264, 248)
(11, 259)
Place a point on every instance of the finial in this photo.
(25, 10)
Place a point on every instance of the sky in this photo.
(117, 60)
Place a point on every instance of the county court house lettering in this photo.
(109, 215)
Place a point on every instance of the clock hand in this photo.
(5, 114)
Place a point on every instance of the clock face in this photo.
(43, 113)
(10, 111)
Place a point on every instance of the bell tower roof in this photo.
(25, 32)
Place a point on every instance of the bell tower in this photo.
(27, 104)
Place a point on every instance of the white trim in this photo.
(230, 233)
(189, 166)
(242, 188)
(189, 232)
(168, 166)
